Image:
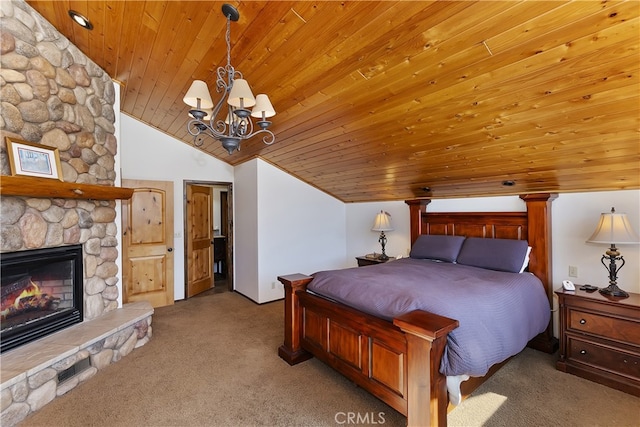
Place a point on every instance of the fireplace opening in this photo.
(41, 292)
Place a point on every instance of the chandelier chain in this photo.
(228, 39)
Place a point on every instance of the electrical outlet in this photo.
(573, 271)
(273, 285)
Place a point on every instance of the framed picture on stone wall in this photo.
(28, 158)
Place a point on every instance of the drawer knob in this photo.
(583, 321)
(583, 352)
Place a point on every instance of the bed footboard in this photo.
(397, 362)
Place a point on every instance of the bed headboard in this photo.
(534, 225)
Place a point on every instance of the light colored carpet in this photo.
(213, 361)
(529, 391)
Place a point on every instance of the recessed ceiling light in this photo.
(81, 20)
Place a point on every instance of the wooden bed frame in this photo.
(399, 361)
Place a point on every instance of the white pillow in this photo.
(526, 260)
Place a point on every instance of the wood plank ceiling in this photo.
(378, 100)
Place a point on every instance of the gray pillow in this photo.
(494, 254)
(438, 247)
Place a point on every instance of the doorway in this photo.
(208, 231)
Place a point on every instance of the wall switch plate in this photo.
(573, 271)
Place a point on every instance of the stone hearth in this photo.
(30, 373)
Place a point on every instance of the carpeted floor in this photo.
(213, 361)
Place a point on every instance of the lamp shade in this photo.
(614, 228)
(198, 91)
(241, 95)
(263, 106)
(382, 222)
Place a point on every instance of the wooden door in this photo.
(199, 229)
(147, 243)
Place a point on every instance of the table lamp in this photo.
(613, 228)
(382, 223)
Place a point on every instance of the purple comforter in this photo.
(498, 312)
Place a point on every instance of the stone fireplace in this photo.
(52, 94)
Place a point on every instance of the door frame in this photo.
(229, 260)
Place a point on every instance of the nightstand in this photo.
(600, 338)
(364, 260)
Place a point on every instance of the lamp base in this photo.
(614, 291)
(383, 242)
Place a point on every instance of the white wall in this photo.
(245, 230)
(478, 204)
(283, 226)
(361, 240)
(217, 214)
(574, 218)
(149, 154)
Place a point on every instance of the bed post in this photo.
(291, 351)
(416, 208)
(539, 238)
(426, 335)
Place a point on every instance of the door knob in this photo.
(170, 249)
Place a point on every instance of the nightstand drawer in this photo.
(603, 357)
(600, 338)
(609, 327)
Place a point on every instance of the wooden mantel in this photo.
(44, 187)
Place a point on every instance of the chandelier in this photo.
(235, 124)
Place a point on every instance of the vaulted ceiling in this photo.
(389, 100)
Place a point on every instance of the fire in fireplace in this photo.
(40, 293)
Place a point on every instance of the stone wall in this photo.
(52, 94)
